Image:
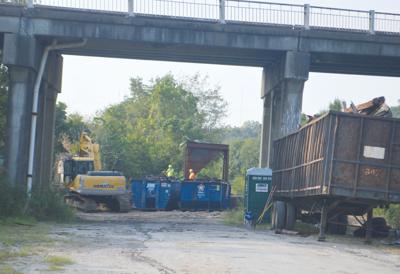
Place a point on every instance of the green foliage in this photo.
(392, 215)
(234, 217)
(304, 119)
(50, 206)
(142, 134)
(12, 200)
(336, 105)
(238, 185)
(244, 155)
(249, 129)
(213, 170)
(61, 127)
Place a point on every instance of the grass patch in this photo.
(22, 235)
(7, 269)
(58, 261)
(19, 241)
(305, 229)
(233, 217)
(55, 268)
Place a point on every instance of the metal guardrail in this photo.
(245, 11)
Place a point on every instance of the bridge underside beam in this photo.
(282, 92)
(188, 40)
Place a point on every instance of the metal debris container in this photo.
(340, 164)
(155, 194)
(258, 186)
(204, 195)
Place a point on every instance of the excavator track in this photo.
(82, 203)
(124, 203)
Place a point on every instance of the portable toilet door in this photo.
(257, 188)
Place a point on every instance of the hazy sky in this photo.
(91, 83)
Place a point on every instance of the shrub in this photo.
(12, 200)
(392, 215)
(45, 206)
(49, 205)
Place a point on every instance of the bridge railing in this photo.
(244, 11)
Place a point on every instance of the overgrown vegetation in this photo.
(391, 215)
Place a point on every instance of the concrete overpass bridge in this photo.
(288, 41)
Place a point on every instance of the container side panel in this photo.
(343, 174)
(372, 177)
(395, 183)
(396, 146)
(347, 140)
(376, 141)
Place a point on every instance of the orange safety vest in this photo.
(192, 176)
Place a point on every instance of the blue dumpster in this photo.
(204, 195)
(155, 194)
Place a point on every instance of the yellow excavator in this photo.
(88, 185)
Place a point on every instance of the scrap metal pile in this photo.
(376, 107)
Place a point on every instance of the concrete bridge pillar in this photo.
(282, 93)
(51, 88)
(22, 55)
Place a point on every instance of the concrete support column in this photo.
(52, 83)
(21, 54)
(266, 126)
(282, 92)
(18, 123)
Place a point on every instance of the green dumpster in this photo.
(257, 188)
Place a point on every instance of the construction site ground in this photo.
(192, 242)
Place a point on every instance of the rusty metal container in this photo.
(355, 158)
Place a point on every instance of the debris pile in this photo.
(375, 107)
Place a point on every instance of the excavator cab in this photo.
(77, 166)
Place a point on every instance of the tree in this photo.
(211, 105)
(142, 135)
(336, 105)
(60, 127)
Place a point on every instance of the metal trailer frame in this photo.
(339, 164)
(211, 151)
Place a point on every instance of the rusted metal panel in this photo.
(200, 154)
(339, 154)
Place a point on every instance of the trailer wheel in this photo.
(290, 216)
(279, 215)
(338, 225)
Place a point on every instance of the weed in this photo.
(49, 206)
(7, 269)
(58, 261)
(234, 216)
(55, 268)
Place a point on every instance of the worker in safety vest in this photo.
(170, 172)
(192, 175)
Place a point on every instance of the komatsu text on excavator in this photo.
(89, 186)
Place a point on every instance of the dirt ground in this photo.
(199, 242)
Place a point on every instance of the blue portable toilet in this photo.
(204, 195)
(155, 194)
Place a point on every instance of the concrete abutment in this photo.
(282, 94)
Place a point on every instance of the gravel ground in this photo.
(198, 242)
